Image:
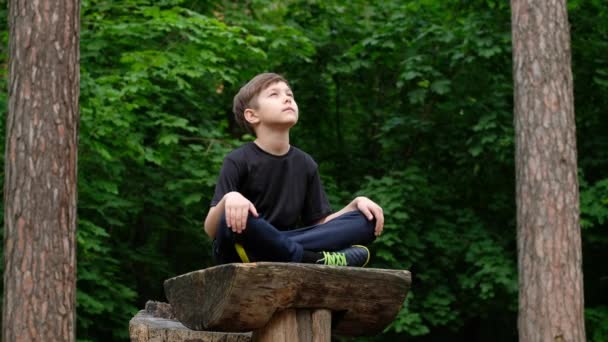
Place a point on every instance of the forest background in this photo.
(406, 102)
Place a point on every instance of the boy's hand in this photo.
(371, 210)
(237, 209)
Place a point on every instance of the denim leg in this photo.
(261, 241)
(351, 228)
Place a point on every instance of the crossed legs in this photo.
(263, 242)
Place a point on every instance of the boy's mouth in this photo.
(289, 108)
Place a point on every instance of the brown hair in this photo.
(248, 94)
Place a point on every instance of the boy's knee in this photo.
(369, 225)
(366, 227)
(253, 222)
(361, 217)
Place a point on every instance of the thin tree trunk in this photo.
(40, 166)
(549, 240)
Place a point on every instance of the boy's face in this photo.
(276, 107)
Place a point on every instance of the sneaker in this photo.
(357, 256)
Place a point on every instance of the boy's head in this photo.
(247, 97)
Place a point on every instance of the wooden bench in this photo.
(288, 301)
(157, 323)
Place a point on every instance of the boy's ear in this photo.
(251, 116)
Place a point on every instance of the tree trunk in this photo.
(548, 240)
(40, 166)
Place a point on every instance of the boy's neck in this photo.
(273, 142)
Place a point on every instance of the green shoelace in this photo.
(334, 258)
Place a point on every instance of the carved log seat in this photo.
(288, 301)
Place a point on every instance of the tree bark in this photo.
(41, 168)
(548, 231)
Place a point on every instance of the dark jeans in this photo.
(263, 242)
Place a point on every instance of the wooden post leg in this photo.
(321, 325)
(283, 326)
(296, 325)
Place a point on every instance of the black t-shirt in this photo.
(286, 190)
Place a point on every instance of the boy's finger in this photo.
(379, 220)
(229, 221)
(238, 219)
(253, 210)
(379, 225)
(244, 214)
(233, 223)
(374, 211)
(367, 213)
(234, 219)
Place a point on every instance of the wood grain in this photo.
(244, 297)
(321, 325)
(148, 326)
(296, 325)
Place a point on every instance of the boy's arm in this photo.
(368, 207)
(213, 218)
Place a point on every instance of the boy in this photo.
(266, 187)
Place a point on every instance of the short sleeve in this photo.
(228, 180)
(316, 205)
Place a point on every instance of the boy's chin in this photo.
(293, 123)
(291, 117)
(286, 124)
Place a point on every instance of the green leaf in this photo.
(441, 87)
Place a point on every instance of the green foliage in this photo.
(153, 135)
(594, 204)
(596, 318)
(442, 245)
(99, 294)
(406, 102)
